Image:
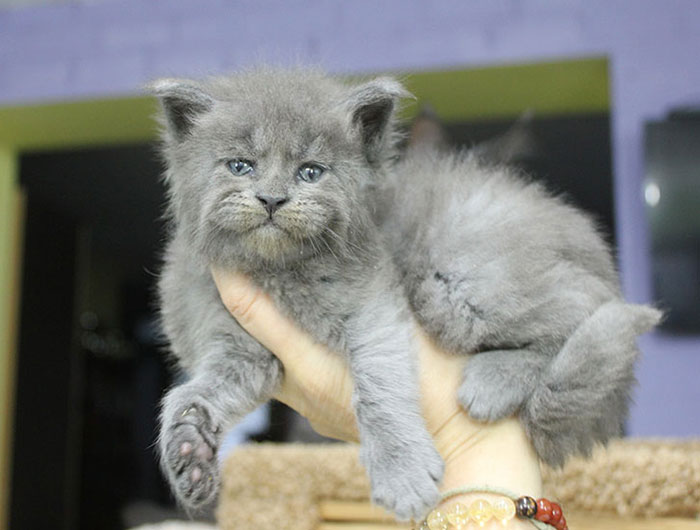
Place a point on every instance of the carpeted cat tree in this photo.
(631, 484)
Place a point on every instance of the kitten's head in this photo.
(272, 166)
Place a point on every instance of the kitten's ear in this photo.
(182, 101)
(371, 108)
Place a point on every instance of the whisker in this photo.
(345, 242)
(317, 243)
(313, 246)
(330, 249)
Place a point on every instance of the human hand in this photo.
(318, 385)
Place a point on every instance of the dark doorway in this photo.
(570, 154)
(90, 369)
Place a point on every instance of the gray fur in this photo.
(485, 261)
(492, 263)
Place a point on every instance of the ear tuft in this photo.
(182, 101)
(372, 107)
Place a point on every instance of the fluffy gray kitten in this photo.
(293, 179)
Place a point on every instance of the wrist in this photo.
(497, 455)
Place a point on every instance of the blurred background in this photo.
(599, 98)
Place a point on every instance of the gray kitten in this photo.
(292, 178)
(268, 173)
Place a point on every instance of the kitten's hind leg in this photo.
(197, 414)
(583, 395)
(497, 383)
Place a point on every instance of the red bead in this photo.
(544, 510)
(561, 525)
(556, 513)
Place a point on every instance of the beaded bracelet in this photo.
(541, 513)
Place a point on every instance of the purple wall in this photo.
(113, 47)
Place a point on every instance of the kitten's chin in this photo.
(274, 245)
(268, 244)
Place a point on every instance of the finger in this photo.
(332, 431)
(318, 392)
(290, 395)
(256, 313)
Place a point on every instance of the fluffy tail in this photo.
(583, 397)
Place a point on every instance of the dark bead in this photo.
(544, 510)
(526, 507)
(556, 514)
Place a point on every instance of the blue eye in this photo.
(240, 167)
(310, 172)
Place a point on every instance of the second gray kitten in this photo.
(291, 177)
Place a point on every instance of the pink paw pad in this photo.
(185, 449)
(204, 452)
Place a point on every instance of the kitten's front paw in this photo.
(188, 450)
(406, 482)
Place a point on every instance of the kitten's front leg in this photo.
(403, 466)
(196, 415)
